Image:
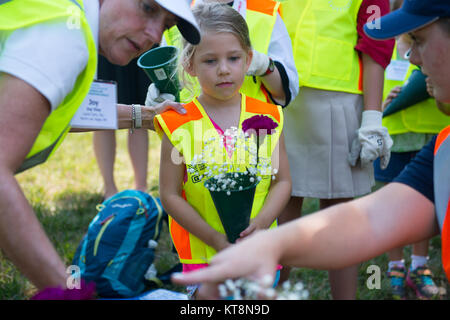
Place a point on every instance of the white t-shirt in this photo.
(49, 56)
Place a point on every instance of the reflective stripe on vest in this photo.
(41, 156)
(323, 35)
(442, 193)
(188, 134)
(423, 117)
(17, 14)
(260, 16)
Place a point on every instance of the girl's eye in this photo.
(210, 61)
(235, 58)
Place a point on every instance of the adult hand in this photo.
(149, 113)
(168, 105)
(258, 66)
(154, 96)
(254, 258)
(372, 141)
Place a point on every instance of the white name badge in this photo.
(397, 70)
(99, 108)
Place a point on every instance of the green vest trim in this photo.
(39, 157)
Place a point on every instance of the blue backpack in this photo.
(115, 251)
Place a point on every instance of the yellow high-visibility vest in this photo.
(324, 35)
(260, 16)
(423, 117)
(25, 13)
(187, 134)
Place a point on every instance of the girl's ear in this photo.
(249, 59)
(190, 69)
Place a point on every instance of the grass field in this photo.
(65, 190)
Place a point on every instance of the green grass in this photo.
(64, 193)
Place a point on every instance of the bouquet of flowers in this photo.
(232, 182)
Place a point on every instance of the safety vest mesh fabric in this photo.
(24, 13)
(442, 193)
(188, 134)
(423, 117)
(261, 16)
(324, 35)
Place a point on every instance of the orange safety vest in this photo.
(441, 167)
(187, 134)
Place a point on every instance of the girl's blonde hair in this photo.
(217, 18)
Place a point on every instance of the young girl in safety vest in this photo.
(219, 63)
(272, 76)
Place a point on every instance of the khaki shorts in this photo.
(319, 129)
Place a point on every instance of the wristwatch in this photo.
(270, 68)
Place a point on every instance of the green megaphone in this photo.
(160, 65)
(413, 92)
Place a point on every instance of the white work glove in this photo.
(258, 66)
(154, 96)
(372, 141)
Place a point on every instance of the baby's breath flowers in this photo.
(228, 173)
(245, 289)
(231, 170)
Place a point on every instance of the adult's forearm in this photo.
(124, 118)
(322, 240)
(24, 241)
(357, 231)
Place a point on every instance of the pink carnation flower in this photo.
(259, 122)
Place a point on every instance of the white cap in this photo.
(187, 24)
